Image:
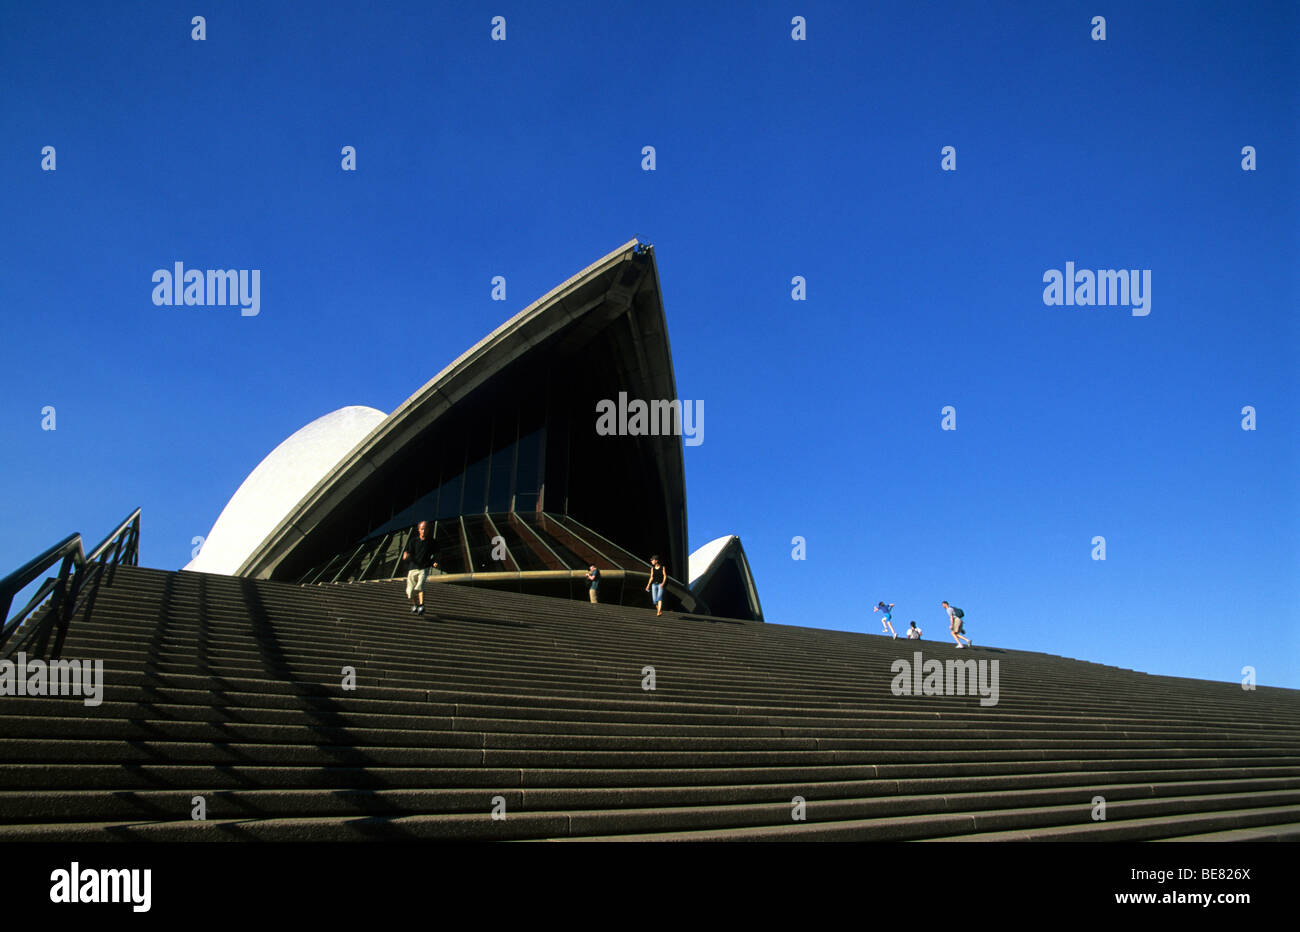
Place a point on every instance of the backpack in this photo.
(958, 612)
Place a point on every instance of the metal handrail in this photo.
(64, 591)
(133, 521)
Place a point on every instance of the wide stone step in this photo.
(34, 716)
(963, 828)
(326, 730)
(842, 800)
(865, 780)
(1149, 819)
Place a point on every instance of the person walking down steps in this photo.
(421, 558)
(658, 579)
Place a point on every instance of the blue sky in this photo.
(775, 158)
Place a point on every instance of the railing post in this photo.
(65, 592)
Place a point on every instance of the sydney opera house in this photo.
(500, 453)
(279, 691)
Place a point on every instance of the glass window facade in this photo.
(528, 543)
(522, 444)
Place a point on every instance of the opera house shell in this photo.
(500, 453)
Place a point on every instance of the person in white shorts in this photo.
(420, 556)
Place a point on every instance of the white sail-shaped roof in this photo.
(279, 483)
(704, 557)
(720, 575)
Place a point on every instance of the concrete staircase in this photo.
(231, 690)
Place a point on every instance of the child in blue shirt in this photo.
(882, 607)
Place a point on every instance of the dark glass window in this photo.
(474, 498)
(426, 509)
(499, 480)
(403, 518)
(354, 564)
(532, 428)
(571, 560)
(528, 468)
(381, 560)
(524, 547)
(446, 538)
(480, 535)
(449, 498)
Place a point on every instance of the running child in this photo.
(882, 607)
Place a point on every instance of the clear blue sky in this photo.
(775, 158)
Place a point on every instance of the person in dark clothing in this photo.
(420, 556)
(593, 591)
(658, 580)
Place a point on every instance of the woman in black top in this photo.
(658, 578)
